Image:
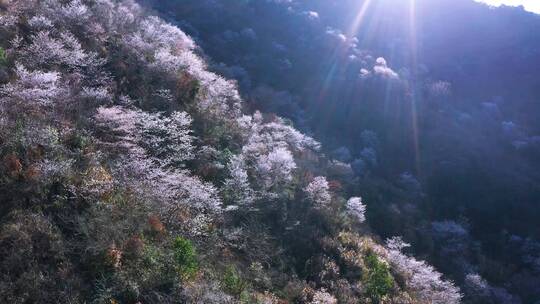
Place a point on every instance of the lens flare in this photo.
(413, 46)
(357, 22)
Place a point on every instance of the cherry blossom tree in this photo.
(420, 277)
(276, 167)
(33, 88)
(237, 185)
(45, 51)
(323, 297)
(356, 209)
(318, 192)
(167, 139)
(139, 166)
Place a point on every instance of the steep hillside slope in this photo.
(130, 174)
(432, 103)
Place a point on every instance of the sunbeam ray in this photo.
(413, 46)
(357, 22)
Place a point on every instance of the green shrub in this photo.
(78, 141)
(3, 57)
(185, 257)
(233, 283)
(377, 279)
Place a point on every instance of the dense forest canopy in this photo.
(272, 151)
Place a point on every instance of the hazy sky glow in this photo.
(530, 5)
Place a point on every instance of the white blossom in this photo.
(356, 209)
(297, 141)
(476, 285)
(312, 15)
(381, 68)
(317, 191)
(52, 169)
(121, 122)
(74, 12)
(167, 140)
(161, 34)
(323, 297)
(46, 50)
(276, 167)
(141, 135)
(99, 94)
(237, 184)
(421, 278)
(40, 22)
(41, 88)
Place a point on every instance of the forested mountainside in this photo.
(132, 174)
(432, 107)
(143, 161)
